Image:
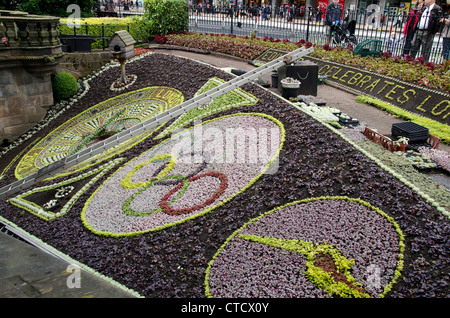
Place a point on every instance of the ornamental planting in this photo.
(297, 208)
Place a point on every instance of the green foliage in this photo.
(93, 27)
(55, 7)
(9, 5)
(163, 17)
(64, 86)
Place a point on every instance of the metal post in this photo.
(74, 39)
(307, 25)
(232, 14)
(103, 36)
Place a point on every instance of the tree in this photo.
(163, 17)
(9, 5)
(55, 7)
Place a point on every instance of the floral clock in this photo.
(185, 176)
(319, 247)
(97, 123)
(170, 173)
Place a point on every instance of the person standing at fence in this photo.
(287, 14)
(266, 12)
(332, 18)
(319, 15)
(427, 27)
(410, 26)
(392, 42)
(446, 38)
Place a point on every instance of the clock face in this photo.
(98, 123)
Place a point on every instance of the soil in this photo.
(326, 262)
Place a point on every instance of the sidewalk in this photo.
(29, 272)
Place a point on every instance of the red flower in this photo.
(160, 38)
(164, 203)
(386, 54)
(420, 59)
(408, 58)
(430, 65)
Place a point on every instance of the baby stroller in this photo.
(345, 33)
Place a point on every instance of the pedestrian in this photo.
(399, 21)
(392, 42)
(319, 15)
(410, 26)
(426, 28)
(288, 13)
(266, 11)
(446, 38)
(332, 18)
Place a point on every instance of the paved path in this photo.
(29, 272)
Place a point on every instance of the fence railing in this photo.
(87, 36)
(299, 24)
(308, 24)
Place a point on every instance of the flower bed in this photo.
(125, 205)
(204, 206)
(284, 243)
(406, 69)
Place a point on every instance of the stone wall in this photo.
(29, 52)
(81, 64)
(24, 99)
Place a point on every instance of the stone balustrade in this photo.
(30, 51)
(23, 33)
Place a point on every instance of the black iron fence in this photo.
(292, 24)
(308, 24)
(84, 37)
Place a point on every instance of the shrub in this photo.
(93, 27)
(54, 7)
(164, 17)
(64, 86)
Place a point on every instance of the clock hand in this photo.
(326, 266)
